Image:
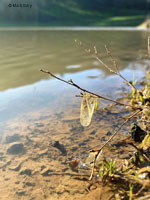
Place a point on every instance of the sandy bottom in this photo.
(34, 155)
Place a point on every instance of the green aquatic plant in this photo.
(102, 170)
(112, 167)
(130, 191)
(107, 168)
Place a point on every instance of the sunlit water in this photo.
(23, 88)
(45, 111)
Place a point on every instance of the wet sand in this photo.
(34, 155)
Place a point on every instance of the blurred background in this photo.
(74, 12)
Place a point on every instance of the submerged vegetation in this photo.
(128, 178)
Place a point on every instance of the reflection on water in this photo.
(23, 53)
(39, 116)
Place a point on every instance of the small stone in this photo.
(75, 130)
(6, 179)
(93, 132)
(20, 192)
(45, 196)
(16, 148)
(30, 184)
(61, 147)
(17, 182)
(26, 172)
(74, 149)
(43, 167)
(108, 133)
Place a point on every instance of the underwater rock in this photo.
(93, 132)
(6, 179)
(20, 192)
(77, 130)
(108, 133)
(16, 148)
(17, 182)
(30, 184)
(12, 138)
(26, 172)
(60, 147)
(137, 133)
(73, 149)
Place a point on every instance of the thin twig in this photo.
(113, 135)
(111, 70)
(95, 55)
(70, 82)
(144, 198)
(112, 59)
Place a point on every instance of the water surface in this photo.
(23, 88)
(37, 111)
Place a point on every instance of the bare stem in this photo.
(112, 59)
(70, 82)
(115, 65)
(95, 55)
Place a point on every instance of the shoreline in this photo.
(72, 28)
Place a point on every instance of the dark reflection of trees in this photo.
(52, 11)
(23, 53)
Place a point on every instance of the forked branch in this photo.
(95, 55)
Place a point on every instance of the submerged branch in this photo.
(70, 82)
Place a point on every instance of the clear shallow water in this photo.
(38, 112)
(23, 88)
